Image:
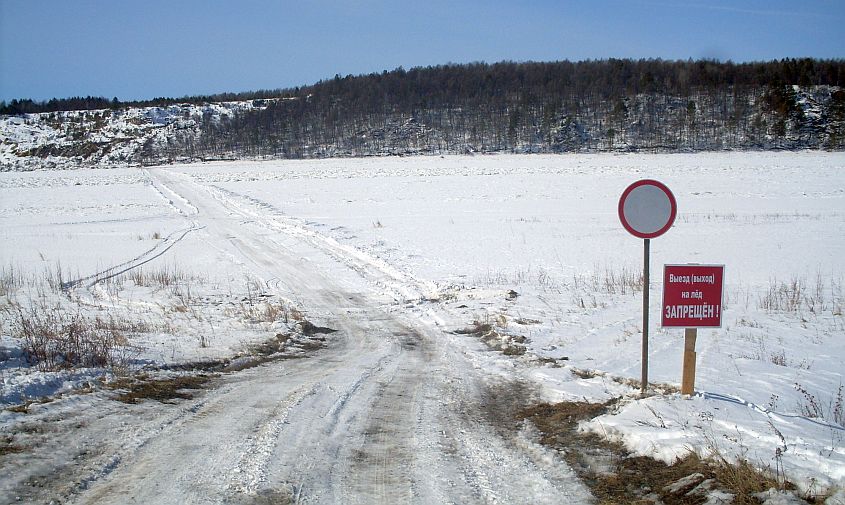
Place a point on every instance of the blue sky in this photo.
(148, 48)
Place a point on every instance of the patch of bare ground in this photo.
(267, 497)
(616, 477)
(271, 346)
(196, 375)
(310, 329)
(162, 390)
(502, 403)
(279, 347)
(654, 387)
(509, 345)
(19, 409)
(7, 447)
(166, 390)
(23, 408)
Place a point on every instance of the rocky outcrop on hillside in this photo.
(107, 138)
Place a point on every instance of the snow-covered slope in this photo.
(105, 138)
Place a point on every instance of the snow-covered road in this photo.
(388, 412)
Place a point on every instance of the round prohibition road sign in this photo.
(647, 208)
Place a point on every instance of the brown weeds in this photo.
(616, 477)
(54, 338)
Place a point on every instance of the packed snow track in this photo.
(388, 412)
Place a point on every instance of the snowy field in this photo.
(530, 245)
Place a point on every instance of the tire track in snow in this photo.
(133, 439)
(186, 209)
(403, 284)
(156, 252)
(250, 472)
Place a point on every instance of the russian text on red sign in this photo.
(692, 296)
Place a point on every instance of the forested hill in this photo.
(607, 105)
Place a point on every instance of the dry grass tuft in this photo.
(267, 311)
(163, 276)
(744, 480)
(272, 346)
(610, 281)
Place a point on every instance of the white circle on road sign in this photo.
(647, 208)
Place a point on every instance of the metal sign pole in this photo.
(647, 210)
(644, 380)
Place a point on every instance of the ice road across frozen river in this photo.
(383, 414)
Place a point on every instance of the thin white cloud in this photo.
(731, 8)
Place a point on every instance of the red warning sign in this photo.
(692, 296)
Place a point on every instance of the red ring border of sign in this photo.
(661, 187)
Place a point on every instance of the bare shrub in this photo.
(55, 339)
(296, 314)
(798, 294)
(815, 407)
(785, 296)
(11, 279)
(55, 277)
(779, 358)
(624, 281)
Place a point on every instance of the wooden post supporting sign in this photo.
(692, 298)
(688, 373)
